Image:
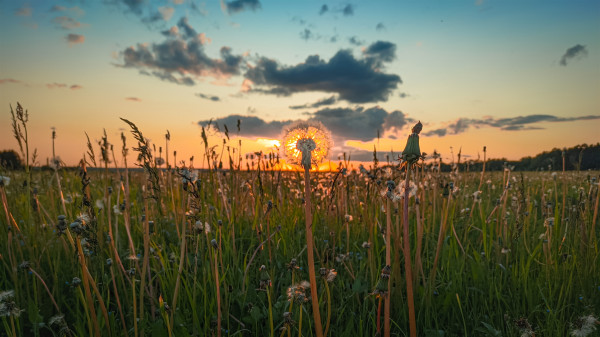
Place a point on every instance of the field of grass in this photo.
(222, 252)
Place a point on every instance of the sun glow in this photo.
(269, 143)
(305, 130)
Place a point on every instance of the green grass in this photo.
(491, 275)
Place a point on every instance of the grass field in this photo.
(185, 252)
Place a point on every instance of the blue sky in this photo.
(518, 77)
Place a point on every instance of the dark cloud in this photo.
(209, 97)
(380, 27)
(355, 41)
(75, 87)
(322, 102)
(323, 9)
(306, 34)
(507, 124)
(135, 6)
(250, 126)
(359, 123)
(348, 10)
(180, 58)
(75, 39)
(354, 80)
(380, 52)
(237, 6)
(573, 52)
(344, 123)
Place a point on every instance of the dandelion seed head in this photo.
(306, 143)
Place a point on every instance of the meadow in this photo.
(161, 248)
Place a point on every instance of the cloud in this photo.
(348, 10)
(237, 6)
(518, 123)
(322, 102)
(24, 11)
(180, 58)
(380, 52)
(250, 126)
(209, 97)
(75, 10)
(576, 51)
(63, 85)
(306, 34)
(133, 99)
(380, 27)
(360, 123)
(323, 9)
(56, 85)
(162, 14)
(66, 22)
(344, 123)
(135, 6)
(9, 80)
(75, 39)
(354, 80)
(355, 41)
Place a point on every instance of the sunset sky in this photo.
(519, 77)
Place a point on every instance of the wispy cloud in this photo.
(10, 81)
(354, 80)
(73, 39)
(181, 57)
(209, 97)
(236, 6)
(133, 99)
(322, 102)
(348, 10)
(323, 9)
(24, 11)
(577, 51)
(380, 27)
(56, 85)
(67, 23)
(518, 123)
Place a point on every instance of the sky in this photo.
(519, 77)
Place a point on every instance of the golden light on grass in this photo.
(314, 131)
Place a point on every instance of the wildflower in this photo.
(8, 307)
(524, 327)
(381, 288)
(293, 264)
(298, 292)
(76, 281)
(265, 279)
(412, 151)
(306, 143)
(366, 245)
(100, 204)
(348, 217)
(4, 181)
(584, 326)
(287, 319)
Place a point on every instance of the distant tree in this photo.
(10, 159)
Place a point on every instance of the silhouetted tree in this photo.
(10, 159)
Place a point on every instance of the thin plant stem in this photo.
(407, 260)
(310, 253)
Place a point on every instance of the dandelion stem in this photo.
(310, 251)
(407, 260)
